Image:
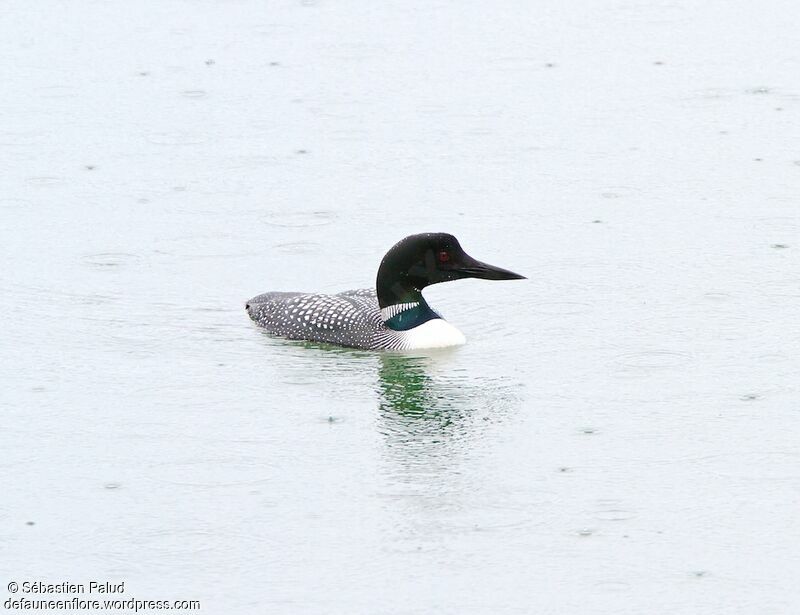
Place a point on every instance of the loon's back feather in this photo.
(351, 318)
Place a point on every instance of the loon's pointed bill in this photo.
(476, 269)
(394, 315)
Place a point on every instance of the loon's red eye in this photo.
(444, 256)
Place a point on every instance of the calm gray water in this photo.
(620, 433)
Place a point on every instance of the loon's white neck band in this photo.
(393, 310)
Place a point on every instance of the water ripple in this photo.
(647, 360)
(560, 308)
(299, 219)
(176, 138)
(109, 260)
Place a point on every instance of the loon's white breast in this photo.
(436, 333)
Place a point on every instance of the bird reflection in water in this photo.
(426, 404)
(431, 414)
(412, 400)
(423, 423)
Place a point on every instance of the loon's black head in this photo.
(429, 258)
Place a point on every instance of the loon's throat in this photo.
(405, 316)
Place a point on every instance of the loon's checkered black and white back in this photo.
(351, 318)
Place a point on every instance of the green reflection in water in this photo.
(417, 407)
(433, 415)
(405, 386)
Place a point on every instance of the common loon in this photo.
(394, 315)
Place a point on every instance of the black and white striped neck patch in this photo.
(393, 310)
